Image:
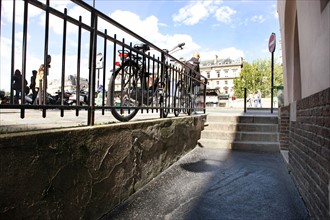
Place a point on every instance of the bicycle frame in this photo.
(157, 81)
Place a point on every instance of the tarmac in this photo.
(206, 183)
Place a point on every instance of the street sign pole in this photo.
(272, 85)
(271, 47)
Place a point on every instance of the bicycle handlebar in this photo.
(181, 45)
(177, 46)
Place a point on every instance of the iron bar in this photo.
(104, 68)
(78, 65)
(63, 60)
(24, 46)
(13, 52)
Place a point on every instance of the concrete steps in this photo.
(247, 132)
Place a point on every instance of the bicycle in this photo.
(183, 96)
(132, 82)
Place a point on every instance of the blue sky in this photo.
(226, 28)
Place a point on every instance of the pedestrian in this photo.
(193, 69)
(231, 98)
(250, 99)
(39, 84)
(33, 85)
(255, 99)
(17, 85)
(259, 99)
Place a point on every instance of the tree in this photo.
(257, 76)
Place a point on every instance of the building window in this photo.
(218, 74)
(218, 82)
(226, 82)
(208, 75)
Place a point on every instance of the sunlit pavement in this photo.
(11, 121)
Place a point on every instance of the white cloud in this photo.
(231, 52)
(258, 19)
(56, 23)
(195, 12)
(275, 13)
(224, 14)
(7, 11)
(134, 23)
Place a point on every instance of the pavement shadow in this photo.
(200, 166)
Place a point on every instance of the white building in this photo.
(220, 74)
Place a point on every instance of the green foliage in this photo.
(257, 76)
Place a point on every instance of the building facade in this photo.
(305, 116)
(220, 74)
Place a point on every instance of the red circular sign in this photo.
(272, 43)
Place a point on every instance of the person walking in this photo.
(250, 99)
(17, 85)
(33, 85)
(194, 69)
(39, 85)
(259, 99)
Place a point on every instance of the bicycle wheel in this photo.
(189, 105)
(165, 100)
(125, 86)
(177, 99)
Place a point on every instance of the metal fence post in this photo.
(92, 66)
(244, 99)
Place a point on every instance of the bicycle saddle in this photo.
(143, 47)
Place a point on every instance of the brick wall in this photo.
(284, 127)
(309, 153)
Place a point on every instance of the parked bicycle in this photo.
(182, 99)
(135, 86)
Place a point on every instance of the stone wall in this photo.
(82, 173)
(309, 152)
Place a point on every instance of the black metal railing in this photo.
(158, 63)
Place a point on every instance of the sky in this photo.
(226, 28)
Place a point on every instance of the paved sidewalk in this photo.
(11, 121)
(218, 184)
